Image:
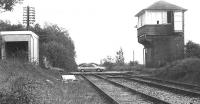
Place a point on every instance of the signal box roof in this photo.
(162, 5)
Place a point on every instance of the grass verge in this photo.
(80, 92)
(24, 83)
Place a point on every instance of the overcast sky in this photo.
(100, 27)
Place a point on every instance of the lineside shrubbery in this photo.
(24, 83)
(186, 70)
(57, 46)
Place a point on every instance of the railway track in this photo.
(182, 88)
(173, 83)
(170, 94)
(117, 93)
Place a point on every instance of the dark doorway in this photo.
(169, 16)
(17, 50)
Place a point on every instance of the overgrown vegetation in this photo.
(186, 70)
(24, 83)
(55, 44)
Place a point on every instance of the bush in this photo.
(57, 46)
(182, 70)
(58, 55)
(192, 49)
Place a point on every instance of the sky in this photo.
(99, 28)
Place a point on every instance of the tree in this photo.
(108, 62)
(120, 57)
(58, 55)
(55, 44)
(7, 5)
(192, 49)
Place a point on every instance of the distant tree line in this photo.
(54, 43)
(118, 60)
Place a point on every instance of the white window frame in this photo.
(178, 21)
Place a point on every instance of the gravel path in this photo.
(158, 93)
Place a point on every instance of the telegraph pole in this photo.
(28, 16)
(133, 56)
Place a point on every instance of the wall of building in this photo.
(177, 47)
(35, 49)
(164, 49)
(159, 52)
